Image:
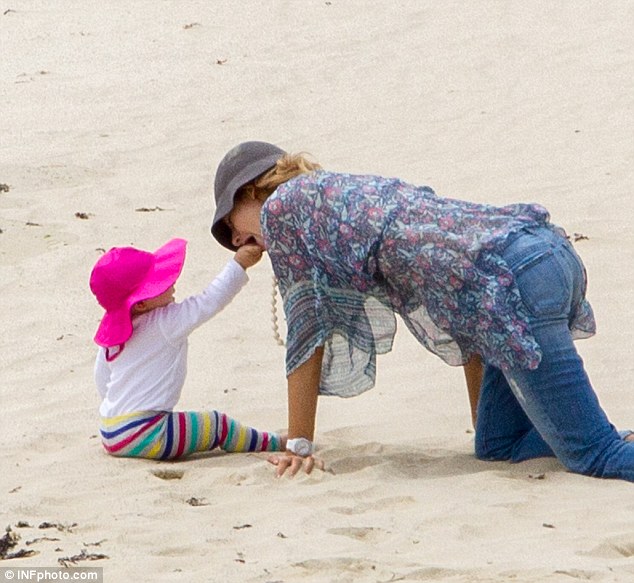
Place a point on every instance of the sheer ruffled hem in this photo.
(583, 324)
(352, 327)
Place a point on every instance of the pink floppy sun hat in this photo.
(124, 276)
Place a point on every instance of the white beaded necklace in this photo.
(276, 330)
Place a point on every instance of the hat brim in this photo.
(225, 199)
(116, 326)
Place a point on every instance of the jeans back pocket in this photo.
(542, 269)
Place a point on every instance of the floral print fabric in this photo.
(351, 251)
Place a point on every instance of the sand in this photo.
(114, 116)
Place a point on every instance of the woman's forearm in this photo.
(303, 390)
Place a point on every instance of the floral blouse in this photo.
(350, 252)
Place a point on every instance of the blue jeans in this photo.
(552, 410)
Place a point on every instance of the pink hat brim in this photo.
(116, 326)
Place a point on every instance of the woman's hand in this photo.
(294, 463)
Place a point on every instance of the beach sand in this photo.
(114, 116)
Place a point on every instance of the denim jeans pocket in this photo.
(544, 284)
(579, 271)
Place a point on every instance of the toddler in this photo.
(142, 360)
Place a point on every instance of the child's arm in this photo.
(101, 373)
(179, 320)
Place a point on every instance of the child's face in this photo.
(167, 297)
(244, 222)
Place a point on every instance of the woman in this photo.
(476, 284)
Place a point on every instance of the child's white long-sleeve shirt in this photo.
(150, 372)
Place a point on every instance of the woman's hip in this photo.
(548, 273)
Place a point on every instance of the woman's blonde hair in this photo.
(287, 167)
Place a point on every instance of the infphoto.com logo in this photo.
(93, 575)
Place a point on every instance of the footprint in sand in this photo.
(34, 178)
(392, 460)
(379, 505)
(367, 534)
(351, 569)
(168, 474)
(614, 547)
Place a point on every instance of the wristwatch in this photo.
(300, 446)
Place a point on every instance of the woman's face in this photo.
(244, 222)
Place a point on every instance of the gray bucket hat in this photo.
(240, 165)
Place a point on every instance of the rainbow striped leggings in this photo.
(168, 435)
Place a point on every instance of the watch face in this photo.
(303, 448)
(300, 446)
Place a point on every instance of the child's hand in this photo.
(248, 255)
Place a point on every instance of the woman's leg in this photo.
(503, 431)
(560, 401)
(557, 397)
